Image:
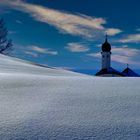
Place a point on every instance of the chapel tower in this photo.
(106, 54)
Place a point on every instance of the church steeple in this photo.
(106, 47)
(106, 69)
(106, 54)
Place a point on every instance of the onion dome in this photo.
(106, 47)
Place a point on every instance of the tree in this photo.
(5, 44)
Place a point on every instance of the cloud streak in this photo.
(43, 50)
(134, 38)
(113, 31)
(123, 55)
(31, 53)
(77, 47)
(74, 24)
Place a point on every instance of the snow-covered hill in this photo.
(39, 103)
(17, 66)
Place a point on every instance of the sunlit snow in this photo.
(39, 103)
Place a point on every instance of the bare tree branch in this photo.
(5, 44)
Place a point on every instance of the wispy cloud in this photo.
(113, 31)
(74, 24)
(121, 54)
(43, 50)
(77, 47)
(134, 38)
(12, 32)
(19, 22)
(138, 30)
(31, 53)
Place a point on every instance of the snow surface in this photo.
(39, 103)
(14, 65)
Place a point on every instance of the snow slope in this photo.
(47, 104)
(18, 66)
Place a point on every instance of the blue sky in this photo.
(69, 34)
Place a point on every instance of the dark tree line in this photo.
(5, 43)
